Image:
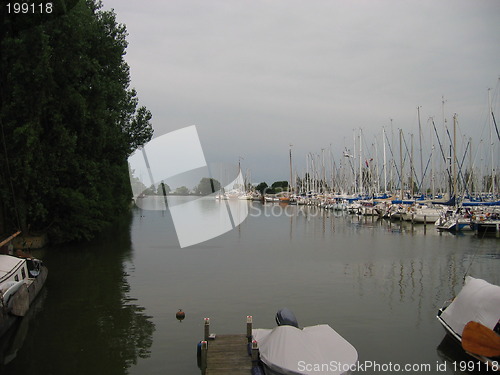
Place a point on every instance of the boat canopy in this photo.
(8, 266)
(399, 201)
(451, 202)
(478, 301)
(475, 204)
(311, 350)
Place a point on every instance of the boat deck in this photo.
(228, 354)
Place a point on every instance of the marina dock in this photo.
(227, 354)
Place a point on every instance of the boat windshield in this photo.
(33, 267)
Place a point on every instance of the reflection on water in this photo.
(198, 218)
(13, 339)
(87, 323)
(111, 305)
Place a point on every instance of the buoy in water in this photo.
(180, 315)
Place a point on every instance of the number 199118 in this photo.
(29, 8)
(476, 366)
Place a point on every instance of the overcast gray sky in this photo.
(256, 76)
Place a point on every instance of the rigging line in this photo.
(390, 149)
(451, 142)
(366, 143)
(460, 173)
(425, 172)
(495, 122)
(350, 163)
(10, 174)
(440, 147)
(412, 169)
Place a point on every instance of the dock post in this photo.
(249, 328)
(207, 329)
(204, 354)
(425, 223)
(255, 354)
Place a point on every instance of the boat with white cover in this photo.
(290, 350)
(473, 319)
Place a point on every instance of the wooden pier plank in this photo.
(228, 354)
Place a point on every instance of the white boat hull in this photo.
(20, 286)
(287, 350)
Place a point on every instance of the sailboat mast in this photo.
(401, 160)
(306, 176)
(393, 161)
(354, 162)
(471, 174)
(444, 127)
(323, 167)
(421, 159)
(493, 190)
(360, 165)
(290, 188)
(412, 167)
(385, 161)
(455, 155)
(377, 168)
(433, 185)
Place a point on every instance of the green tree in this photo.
(182, 190)
(262, 187)
(207, 186)
(280, 186)
(68, 122)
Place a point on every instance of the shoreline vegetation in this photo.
(68, 122)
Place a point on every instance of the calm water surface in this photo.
(109, 306)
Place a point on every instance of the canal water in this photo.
(109, 305)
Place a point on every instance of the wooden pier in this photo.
(228, 354)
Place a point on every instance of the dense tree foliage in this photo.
(68, 121)
(182, 190)
(207, 186)
(279, 186)
(262, 187)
